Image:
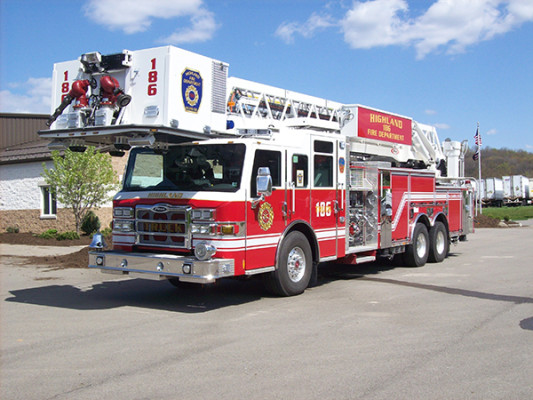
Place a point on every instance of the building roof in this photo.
(19, 141)
(27, 152)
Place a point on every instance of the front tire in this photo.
(438, 243)
(416, 254)
(294, 266)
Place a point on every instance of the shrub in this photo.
(90, 223)
(70, 235)
(107, 232)
(49, 234)
(12, 229)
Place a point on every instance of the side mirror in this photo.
(264, 182)
(264, 185)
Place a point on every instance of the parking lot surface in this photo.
(461, 329)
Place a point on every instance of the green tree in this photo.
(81, 181)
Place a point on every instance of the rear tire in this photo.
(295, 265)
(438, 243)
(416, 254)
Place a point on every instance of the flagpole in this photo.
(479, 168)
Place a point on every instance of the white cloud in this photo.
(202, 29)
(32, 96)
(449, 25)
(430, 112)
(374, 23)
(137, 16)
(288, 30)
(442, 125)
(492, 132)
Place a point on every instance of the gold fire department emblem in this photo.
(266, 216)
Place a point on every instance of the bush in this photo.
(67, 236)
(49, 234)
(54, 234)
(12, 229)
(90, 223)
(107, 232)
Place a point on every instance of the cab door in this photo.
(298, 186)
(266, 218)
(325, 200)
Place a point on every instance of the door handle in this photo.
(284, 209)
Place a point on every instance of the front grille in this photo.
(163, 225)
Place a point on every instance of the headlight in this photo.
(203, 214)
(203, 229)
(123, 212)
(204, 251)
(123, 226)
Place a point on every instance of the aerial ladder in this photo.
(133, 98)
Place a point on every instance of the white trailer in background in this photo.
(516, 190)
(521, 188)
(507, 189)
(492, 192)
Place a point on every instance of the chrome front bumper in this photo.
(161, 266)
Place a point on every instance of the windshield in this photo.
(211, 167)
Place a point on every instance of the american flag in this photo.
(475, 157)
(477, 138)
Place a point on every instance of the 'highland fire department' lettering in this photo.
(386, 120)
(384, 127)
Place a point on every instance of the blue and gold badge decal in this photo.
(191, 90)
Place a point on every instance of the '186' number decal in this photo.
(65, 86)
(323, 208)
(152, 79)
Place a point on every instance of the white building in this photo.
(25, 200)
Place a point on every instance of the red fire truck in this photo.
(227, 177)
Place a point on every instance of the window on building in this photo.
(49, 203)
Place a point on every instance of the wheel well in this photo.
(309, 234)
(423, 219)
(442, 218)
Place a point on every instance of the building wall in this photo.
(20, 186)
(31, 220)
(21, 199)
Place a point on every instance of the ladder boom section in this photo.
(250, 103)
(380, 135)
(167, 95)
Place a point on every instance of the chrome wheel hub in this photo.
(440, 243)
(421, 246)
(296, 264)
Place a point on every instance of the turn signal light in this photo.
(229, 229)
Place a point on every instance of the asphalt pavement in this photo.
(461, 329)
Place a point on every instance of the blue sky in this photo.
(448, 63)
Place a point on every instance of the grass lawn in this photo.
(510, 213)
